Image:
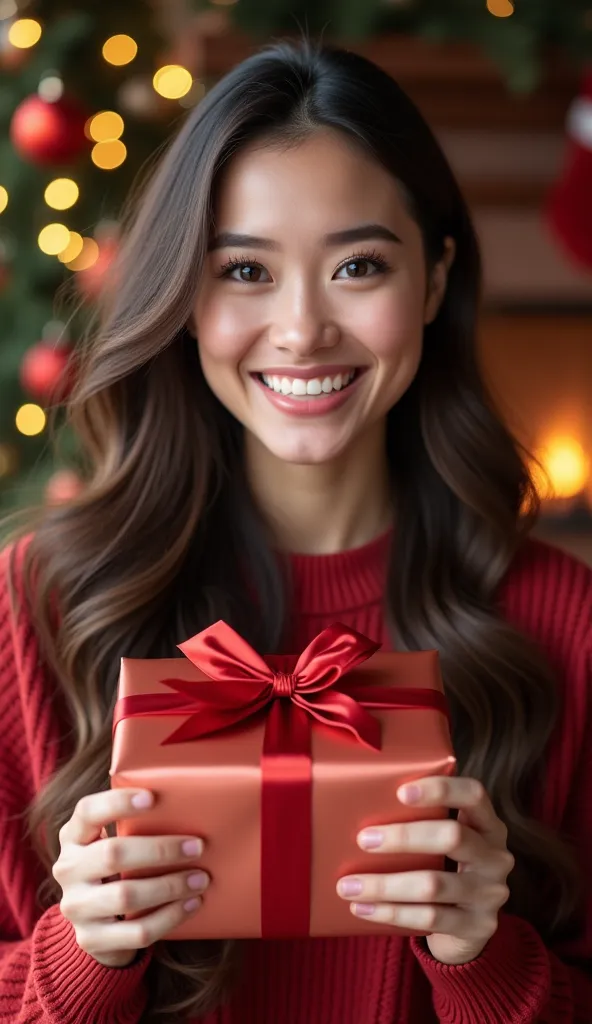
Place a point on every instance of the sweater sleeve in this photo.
(516, 980)
(45, 977)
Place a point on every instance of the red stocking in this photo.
(569, 204)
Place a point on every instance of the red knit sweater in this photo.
(45, 976)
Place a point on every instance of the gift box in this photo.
(277, 763)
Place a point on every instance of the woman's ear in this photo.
(438, 280)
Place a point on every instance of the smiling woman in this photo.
(285, 426)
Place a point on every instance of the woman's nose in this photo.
(302, 325)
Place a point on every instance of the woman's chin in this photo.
(305, 454)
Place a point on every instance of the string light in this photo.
(30, 419)
(119, 50)
(51, 88)
(24, 32)
(500, 8)
(106, 126)
(3, 199)
(73, 248)
(61, 193)
(108, 155)
(566, 466)
(88, 255)
(53, 238)
(172, 81)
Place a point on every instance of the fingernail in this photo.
(410, 794)
(191, 847)
(371, 839)
(199, 880)
(190, 905)
(363, 909)
(350, 887)
(144, 799)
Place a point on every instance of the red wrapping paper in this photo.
(277, 766)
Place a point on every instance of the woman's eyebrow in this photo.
(361, 233)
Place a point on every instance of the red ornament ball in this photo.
(46, 373)
(49, 133)
(62, 486)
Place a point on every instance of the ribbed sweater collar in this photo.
(343, 580)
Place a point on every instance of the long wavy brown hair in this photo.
(147, 555)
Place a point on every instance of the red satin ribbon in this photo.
(241, 685)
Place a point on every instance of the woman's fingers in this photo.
(466, 795)
(449, 837)
(105, 940)
(462, 888)
(420, 918)
(124, 853)
(94, 811)
(130, 895)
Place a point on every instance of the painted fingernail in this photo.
(371, 839)
(350, 887)
(410, 794)
(363, 909)
(144, 799)
(198, 880)
(190, 905)
(192, 847)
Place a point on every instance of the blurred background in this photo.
(90, 91)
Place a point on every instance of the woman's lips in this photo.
(319, 405)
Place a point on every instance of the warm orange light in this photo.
(566, 465)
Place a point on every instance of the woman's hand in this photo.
(458, 912)
(86, 860)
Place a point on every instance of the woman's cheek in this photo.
(223, 332)
(389, 325)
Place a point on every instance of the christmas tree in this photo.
(80, 115)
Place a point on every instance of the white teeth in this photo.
(314, 386)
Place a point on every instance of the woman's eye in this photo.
(358, 268)
(248, 272)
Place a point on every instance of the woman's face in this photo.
(310, 330)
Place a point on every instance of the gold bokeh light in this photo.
(53, 238)
(73, 248)
(108, 155)
(30, 419)
(172, 81)
(105, 126)
(119, 50)
(61, 193)
(24, 32)
(500, 8)
(3, 198)
(88, 255)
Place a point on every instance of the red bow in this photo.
(241, 684)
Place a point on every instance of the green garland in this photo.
(516, 44)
